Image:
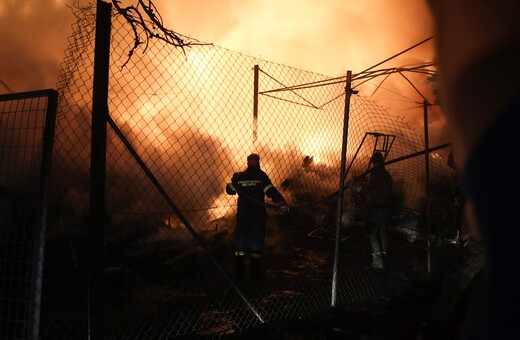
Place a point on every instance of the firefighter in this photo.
(379, 208)
(252, 185)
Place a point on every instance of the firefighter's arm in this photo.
(277, 198)
(230, 187)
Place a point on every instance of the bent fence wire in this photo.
(182, 122)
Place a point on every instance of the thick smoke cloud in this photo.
(34, 37)
(324, 37)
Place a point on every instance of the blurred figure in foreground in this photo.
(465, 269)
(478, 49)
(252, 185)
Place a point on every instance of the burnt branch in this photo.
(146, 24)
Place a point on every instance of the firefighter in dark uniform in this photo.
(252, 185)
(379, 208)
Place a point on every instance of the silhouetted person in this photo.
(379, 208)
(252, 185)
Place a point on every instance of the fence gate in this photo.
(26, 135)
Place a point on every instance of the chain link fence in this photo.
(181, 122)
(26, 134)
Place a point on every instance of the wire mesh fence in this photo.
(26, 128)
(181, 124)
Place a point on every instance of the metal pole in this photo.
(255, 104)
(427, 186)
(356, 153)
(48, 140)
(418, 153)
(348, 92)
(98, 169)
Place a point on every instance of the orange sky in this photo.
(328, 37)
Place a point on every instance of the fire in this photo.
(436, 155)
(221, 206)
(316, 146)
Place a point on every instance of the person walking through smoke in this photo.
(379, 208)
(252, 185)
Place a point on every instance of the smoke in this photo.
(323, 37)
(327, 39)
(34, 36)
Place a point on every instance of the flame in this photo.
(316, 146)
(221, 207)
(435, 155)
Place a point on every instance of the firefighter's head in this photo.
(253, 160)
(377, 159)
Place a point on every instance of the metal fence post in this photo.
(255, 104)
(427, 186)
(341, 191)
(39, 238)
(98, 169)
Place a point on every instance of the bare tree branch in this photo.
(146, 23)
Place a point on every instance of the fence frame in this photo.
(42, 203)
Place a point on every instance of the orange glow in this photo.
(312, 35)
(221, 208)
(316, 146)
(308, 35)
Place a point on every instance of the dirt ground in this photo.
(392, 319)
(403, 314)
(400, 317)
(166, 290)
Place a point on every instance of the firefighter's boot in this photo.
(255, 268)
(240, 266)
(377, 261)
